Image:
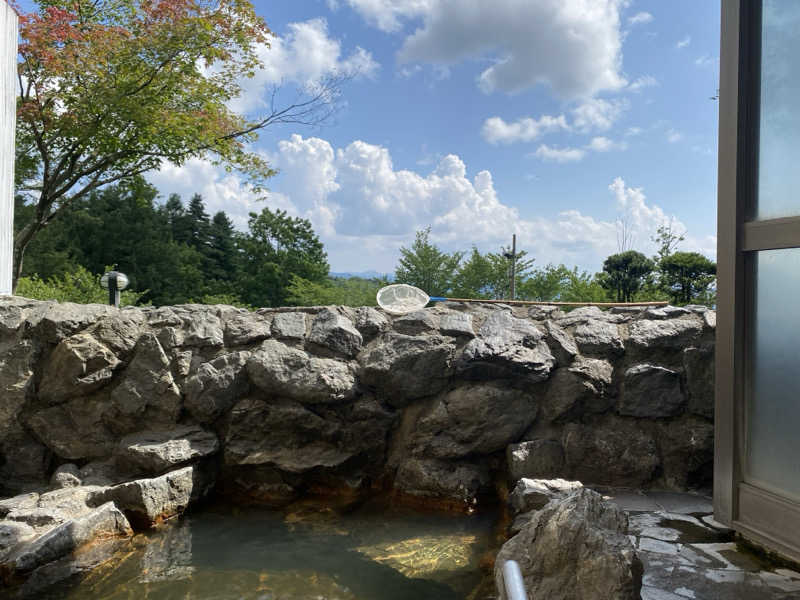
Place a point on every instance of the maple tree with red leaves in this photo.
(109, 89)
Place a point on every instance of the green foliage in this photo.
(488, 275)
(353, 291)
(625, 273)
(111, 89)
(687, 276)
(79, 286)
(275, 248)
(426, 267)
(227, 299)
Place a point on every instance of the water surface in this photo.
(306, 552)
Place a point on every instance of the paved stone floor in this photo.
(686, 554)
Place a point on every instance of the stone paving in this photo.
(687, 554)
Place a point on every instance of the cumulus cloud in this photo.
(684, 42)
(304, 56)
(387, 15)
(517, 37)
(364, 208)
(559, 155)
(642, 82)
(597, 114)
(495, 130)
(603, 144)
(640, 18)
(674, 136)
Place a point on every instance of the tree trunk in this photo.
(21, 241)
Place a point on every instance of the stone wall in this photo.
(443, 405)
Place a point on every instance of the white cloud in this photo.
(674, 136)
(706, 60)
(603, 144)
(642, 82)
(684, 42)
(304, 56)
(387, 15)
(597, 114)
(517, 36)
(364, 209)
(559, 155)
(640, 18)
(220, 190)
(633, 131)
(495, 130)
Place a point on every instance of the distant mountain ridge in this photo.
(364, 275)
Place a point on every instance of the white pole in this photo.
(8, 113)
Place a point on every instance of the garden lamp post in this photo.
(114, 282)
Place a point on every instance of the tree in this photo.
(667, 239)
(351, 291)
(426, 267)
(687, 275)
(221, 250)
(199, 224)
(277, 247)
(109, 89)
(545, 284)
(625, 273)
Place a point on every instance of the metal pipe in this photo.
(513, 582)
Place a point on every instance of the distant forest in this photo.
(174, 252)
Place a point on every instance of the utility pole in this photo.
(512, 256)
(513, 266)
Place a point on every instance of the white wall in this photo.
(8, 111)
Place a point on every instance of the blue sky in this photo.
(552, 119)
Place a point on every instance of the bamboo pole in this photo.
(537, 303)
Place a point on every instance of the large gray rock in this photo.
(583, 387)
(24, 460)
(119, 331)
(370, 322)
(52, 322)
(473, 419)
(611, 452)
(687, 450)
(698, 363)
(456, 324)
(216, 386)
(561, 343)
(245, 327)
(12, 534)
(575, 549)
(287, 436)
(289, 325)
(403, 368)
(671, 333)
(292, 373)
(154, 452)
(188, 326)
(79, 365)
(535, 459)
(147, 392)
(74, 430)
(66, 476)
(651, 391)
(459, 482)
(103, 522)
(507, 347)
(148, 502)
(17, 362)
(22, 501)
(335, 332)
(533, 494)
(415, 323)
(598, 338)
